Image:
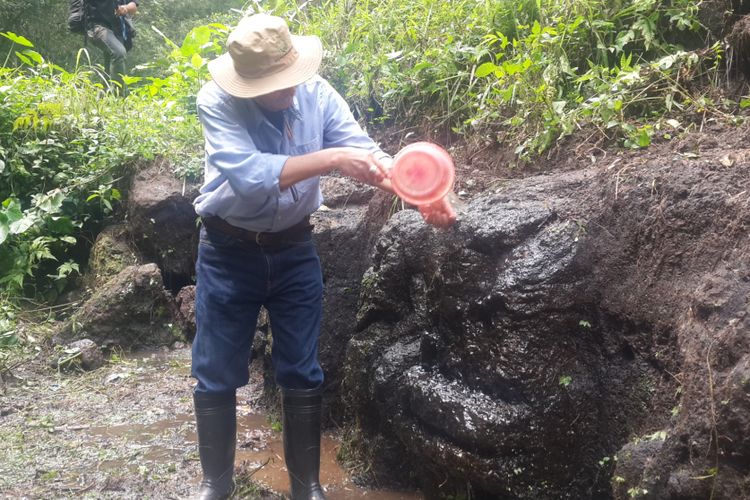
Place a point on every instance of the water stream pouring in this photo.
(423, 174)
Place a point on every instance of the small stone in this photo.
(82, 354)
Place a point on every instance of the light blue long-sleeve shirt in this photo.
(245, 154)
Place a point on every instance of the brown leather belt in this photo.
(297, 233)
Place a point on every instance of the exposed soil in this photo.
(118, 432)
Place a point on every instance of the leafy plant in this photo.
(183, 71)
(25, 54)
(567, 64)
(518, 71)
(65, 146)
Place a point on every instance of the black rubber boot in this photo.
(301, 425)
(216, 419)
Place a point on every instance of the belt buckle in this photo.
(265, 239)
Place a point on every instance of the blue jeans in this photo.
(233, 280)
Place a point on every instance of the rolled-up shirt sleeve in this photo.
(232, 152)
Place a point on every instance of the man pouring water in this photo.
(272, 127)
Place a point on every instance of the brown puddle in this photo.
(259, 446)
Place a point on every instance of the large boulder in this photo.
(344, 233)
(163, 223)
(340, 192)
(131, 310)
(564, 321)
(481, 357)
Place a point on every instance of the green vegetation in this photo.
(44, 23)
(65, 145)
(519, 73)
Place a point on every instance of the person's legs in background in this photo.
(114, 55)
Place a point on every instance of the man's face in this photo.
(276, 101)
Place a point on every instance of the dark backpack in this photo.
(77, 16)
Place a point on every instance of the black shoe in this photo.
(301, 431)
(216, 419)
(207, 492)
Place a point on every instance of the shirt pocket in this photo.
(306, 147)
(301, 189)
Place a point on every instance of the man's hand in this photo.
(356, 163)
(361, 165)
(439, 214)
(124, 10)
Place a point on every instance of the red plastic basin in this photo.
(422, 173)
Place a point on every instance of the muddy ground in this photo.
(126, 430)
(122, 431)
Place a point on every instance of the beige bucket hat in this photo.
(262, 57)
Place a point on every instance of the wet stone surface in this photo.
(546, 333)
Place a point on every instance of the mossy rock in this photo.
(131, 310)
(111, 253)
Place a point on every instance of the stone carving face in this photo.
(483, 350)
